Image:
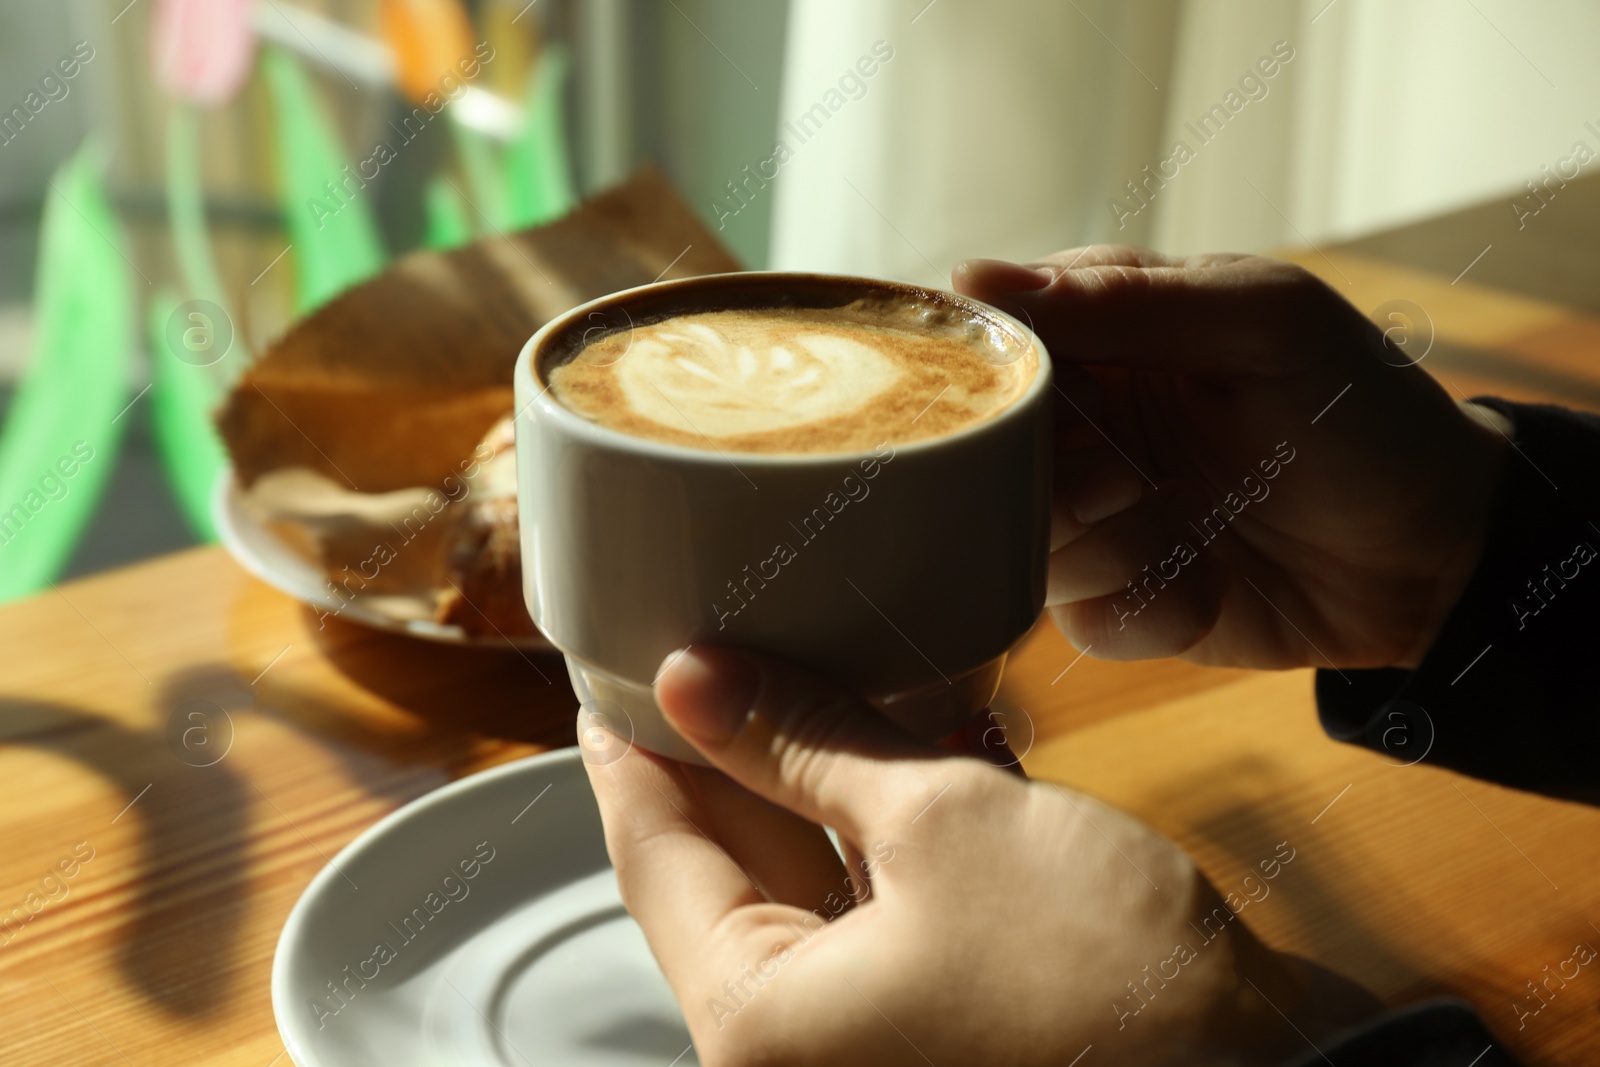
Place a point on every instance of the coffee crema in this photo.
(880, 369)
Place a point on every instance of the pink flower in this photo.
(202, 50)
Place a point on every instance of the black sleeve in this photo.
(1437, 1033)
(1508, 692)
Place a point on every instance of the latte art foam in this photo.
(839, 379)
(694, 377)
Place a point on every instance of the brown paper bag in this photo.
(382, 398)
(394, 381)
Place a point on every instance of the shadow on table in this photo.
(187, 907)
(1331, 926)
(190, 892)
(505, 693)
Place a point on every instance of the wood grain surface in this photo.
(189, 838)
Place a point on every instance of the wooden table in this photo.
(158, 949)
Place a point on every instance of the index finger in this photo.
(714, 888)
(676, 882)
(1116, 306)
(1109, 255)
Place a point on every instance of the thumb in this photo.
(795, 739)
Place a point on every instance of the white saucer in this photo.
(265, 555)
(530, 961)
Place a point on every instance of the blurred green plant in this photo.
(183, 393)
(528, 181)
(332, 234)
(182, 396)
(538, 177)
(67, 413)
(448, 225)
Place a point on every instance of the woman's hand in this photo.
(980, 918)
(1251, 473)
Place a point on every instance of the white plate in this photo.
(265, 555)
(530, 961)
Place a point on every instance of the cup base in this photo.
(939, 710)
(629, 710)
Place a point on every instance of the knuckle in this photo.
(932, 798)
(1114, 280)
(1213, 259)
(1300, 293)
(1289, 302)
(632, 854)
(1126, 254)
(809, 734)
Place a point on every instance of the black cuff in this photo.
(1436, 1033)
(1507, 692)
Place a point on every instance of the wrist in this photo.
(1275, 1005)
(1250, 1023)
(1478, 465)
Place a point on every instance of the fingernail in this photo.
(1007, 277)
(708, 694)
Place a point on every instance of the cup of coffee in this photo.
(849, 474)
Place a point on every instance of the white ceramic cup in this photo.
(906, 574)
